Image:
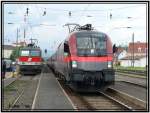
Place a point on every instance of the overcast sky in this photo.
(52, 32)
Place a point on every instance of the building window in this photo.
(139, 49)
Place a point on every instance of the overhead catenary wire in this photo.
(109, 9)
(48, 9)
(85, 9)
(73, 11)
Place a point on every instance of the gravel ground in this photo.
(140, 81)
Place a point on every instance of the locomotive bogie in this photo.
(30, 69)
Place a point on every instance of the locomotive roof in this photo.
(87, 31)
(84, 31)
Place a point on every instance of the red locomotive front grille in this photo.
(23, 59)
(36, 59)
(29, 59)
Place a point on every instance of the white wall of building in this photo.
(143, 62)
(7, 53)
(137, 63)
(122, 54)
(125, 63)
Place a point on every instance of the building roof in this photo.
(131, 57)
(20, 43)
(139, 47)
(8, 47)
(120, 50)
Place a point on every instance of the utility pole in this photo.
(133, 50)
(17, 41)
(24, 34)
(24, 28)
(26, 14)
(17, 38)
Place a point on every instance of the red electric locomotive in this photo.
(30, 60)
(85, 60)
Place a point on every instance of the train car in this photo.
(85, 60)
(30, 60)
(51, 61)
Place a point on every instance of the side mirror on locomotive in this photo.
(115, 49)
(66, 49)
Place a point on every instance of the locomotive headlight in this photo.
(74, 64)
(109, 64)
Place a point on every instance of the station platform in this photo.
(50, 95)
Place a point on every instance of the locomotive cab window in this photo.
(25, 53)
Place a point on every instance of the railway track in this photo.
(103, 102)
(135, 84)
(109, 100)
(24, 97)
(14, 105)
(134, 103)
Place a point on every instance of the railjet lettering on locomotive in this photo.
(84, 60)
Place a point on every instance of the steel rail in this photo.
(134, 102)
(16, 100)
(135, 84)
(120, 103)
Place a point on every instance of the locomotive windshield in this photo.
(91, 44)
(30, 53)
(25, 53)
(34, 53)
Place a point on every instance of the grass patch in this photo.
(9, 88)
(14, 86)
(131, 68)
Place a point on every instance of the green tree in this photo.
(15, 53)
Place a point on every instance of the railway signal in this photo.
(110, 16)
(69, 13)
(44, 12)
(45, 51)
(27, 12)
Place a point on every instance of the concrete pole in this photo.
(133, 50)
(17, 38)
